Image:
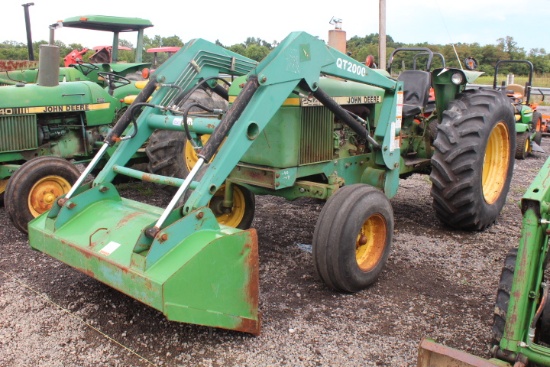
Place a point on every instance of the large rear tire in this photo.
(169, 152)
(473, 161)
(35, 186)
(352, 238)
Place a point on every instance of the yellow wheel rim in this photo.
(233, 217)
(44, 193)
(190, 155)
(3, 184)
(495, 165)
(371, 242)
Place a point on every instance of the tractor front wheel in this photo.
(352, 238)
(523, 145)
(473, 160)
(35, 186)
(241, 214)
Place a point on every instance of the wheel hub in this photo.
(228, 216)
(44, 193)
(495, 166)
(370, 243)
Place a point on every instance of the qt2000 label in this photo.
(351, 67)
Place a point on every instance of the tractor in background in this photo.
(61, 112)
(104, 60)
(160, 54)
(529, 122)
(307, 121)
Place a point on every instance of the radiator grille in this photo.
(316, 135)
(18, 133)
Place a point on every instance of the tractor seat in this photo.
(416, 86)
(516, 89)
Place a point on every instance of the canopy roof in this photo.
(107, 23)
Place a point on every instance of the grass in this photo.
(542, 81)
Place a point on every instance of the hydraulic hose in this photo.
(344, 115)
(116, 132)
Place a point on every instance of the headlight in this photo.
(457, 78)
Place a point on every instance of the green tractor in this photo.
(61, 115)
(521, 321)
(105, 60)
(307, 121)
(529, 126)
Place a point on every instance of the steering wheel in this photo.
(114, 81)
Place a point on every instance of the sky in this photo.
(432, 21)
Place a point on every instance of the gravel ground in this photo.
(438, 283)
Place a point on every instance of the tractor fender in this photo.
(521, 127)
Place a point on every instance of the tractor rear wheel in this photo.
(503, 296)
(523, 145)
(35, 186)
(170, 154)
(473, 160)
(352, 237)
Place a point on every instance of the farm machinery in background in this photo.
(530, 125)
(307, 121)
(65, 114)
(521, 324)
(104, 59)
(159, 52)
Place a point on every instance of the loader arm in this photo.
(297, 64)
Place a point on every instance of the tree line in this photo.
(358, 48)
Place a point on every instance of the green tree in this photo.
(510, 47)
(256, 52)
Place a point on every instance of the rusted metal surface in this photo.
(256, 175)
(431, 354)
(252, 291)
(10, 65)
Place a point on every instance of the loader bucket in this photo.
(195, 271)
(432, 354)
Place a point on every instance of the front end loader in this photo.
(521, 323)
(307, 121)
